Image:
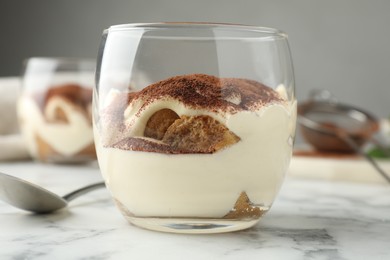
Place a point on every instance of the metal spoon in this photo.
(28, 196)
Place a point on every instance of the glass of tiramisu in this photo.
(55, 109)
(194, 123)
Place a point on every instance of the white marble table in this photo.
(309, 220)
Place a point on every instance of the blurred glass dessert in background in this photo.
(54, 109)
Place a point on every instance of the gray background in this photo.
(339, 45)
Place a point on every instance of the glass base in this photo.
(192, 225)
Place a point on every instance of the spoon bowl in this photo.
(30, 197)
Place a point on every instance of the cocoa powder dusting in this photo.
(201, 91)
(113, 114)
(74, 93)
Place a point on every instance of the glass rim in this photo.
(263, 32)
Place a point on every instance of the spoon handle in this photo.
(81, 191)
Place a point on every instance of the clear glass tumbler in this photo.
(55, 109)
(194, 123)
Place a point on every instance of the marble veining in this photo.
(309, 220)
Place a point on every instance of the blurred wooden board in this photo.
(335, 167)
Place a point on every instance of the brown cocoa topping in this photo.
(201, 91)
(76, 94)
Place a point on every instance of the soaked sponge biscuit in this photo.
(243, 209)
(159, 122)
(166, 132)
(199, 134)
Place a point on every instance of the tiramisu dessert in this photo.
(195, 147)
(57, 123)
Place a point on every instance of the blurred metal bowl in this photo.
(323, 124)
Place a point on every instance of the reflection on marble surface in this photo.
(309, 220)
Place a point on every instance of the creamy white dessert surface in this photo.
(66, 138)
(201, 185)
